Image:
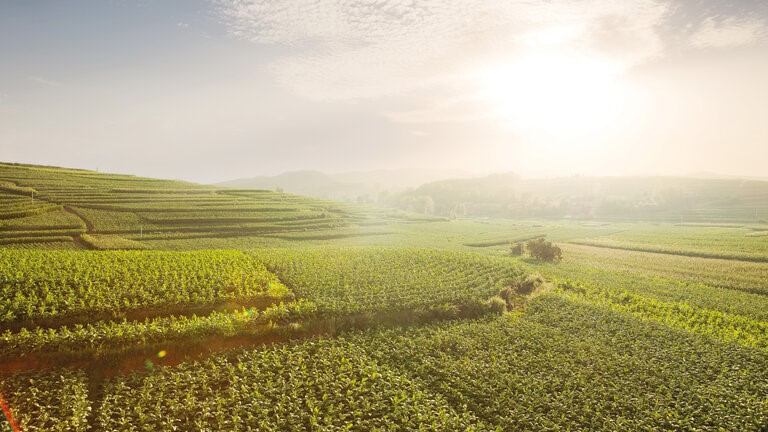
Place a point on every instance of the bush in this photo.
(507, 293)
(516, 249)
(473, 308)
(443, 311)
(530, 283)
(497, 305)
(544, 250)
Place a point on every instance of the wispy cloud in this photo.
(454, 110)
(46, 82)
(729, 32)
(353, 48)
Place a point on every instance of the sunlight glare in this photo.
(558, 94)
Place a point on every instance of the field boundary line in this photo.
(689, 254)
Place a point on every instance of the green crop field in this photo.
(131, 303)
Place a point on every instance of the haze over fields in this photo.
(451, 215)
(211, 91)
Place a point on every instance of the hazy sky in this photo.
(215, 90)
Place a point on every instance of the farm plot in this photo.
(56, 286)
(565, 365)
(350, 280)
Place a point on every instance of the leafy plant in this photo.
(544, 250)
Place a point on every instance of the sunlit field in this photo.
(225, 309)
(432, 215)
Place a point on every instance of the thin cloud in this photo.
(729, 32)
(353, 49)
(43, 81)
(445, 111)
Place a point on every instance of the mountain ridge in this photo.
(346, 186)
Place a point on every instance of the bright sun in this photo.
(558, 94)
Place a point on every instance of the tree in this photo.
(516, 249)
(544, 250)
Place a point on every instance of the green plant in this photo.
(497, 305)
(516, 249)
(544, 250)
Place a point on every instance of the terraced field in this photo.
(57, 205)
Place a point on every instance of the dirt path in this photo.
(88, 224)
(82, 244)
(68, 209)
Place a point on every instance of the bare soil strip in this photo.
(183, 310)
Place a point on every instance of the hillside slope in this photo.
(368, 186)
(68, 208)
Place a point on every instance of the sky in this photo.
(213, 90)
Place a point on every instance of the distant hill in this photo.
(365, 186)
(309, 183)
(648, 198)
(711, 175)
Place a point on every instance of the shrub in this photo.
(443, 311)
(516, 249)
(530, 283)
(496, 305)
(473, 308)
(507, 293)
(544, 250)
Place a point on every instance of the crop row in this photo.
(111, 337)
(19, 211)
(316, 385)
(45, 284)
(666, 288)
(41, 233)
(714, 323)
(63, 243)
(53, 220)
(690, 239)
(110, 241)
(34, 239)
(228, 218)
(671, 250)
(748, 277)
